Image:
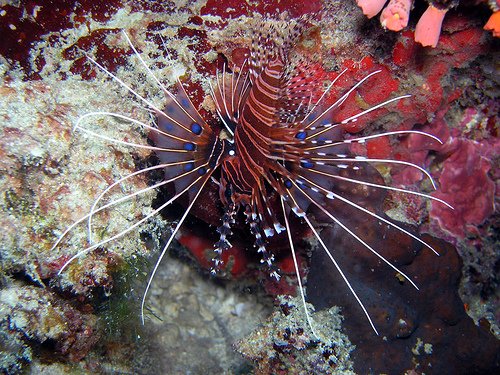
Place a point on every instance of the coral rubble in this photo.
(33, 316)
(286, 345)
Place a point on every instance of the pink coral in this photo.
(429, 25)
(396, 14)
(371, 7)
(464, 180)
(465, 184)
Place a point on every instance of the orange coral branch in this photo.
(493, 24)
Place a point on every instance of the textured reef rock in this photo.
(50, 177)
(31, 318)
(424, 330)
(44, 168)
(286, 345)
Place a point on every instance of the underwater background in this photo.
(87, 320)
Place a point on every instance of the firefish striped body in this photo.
(277, 138)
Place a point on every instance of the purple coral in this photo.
(465, 184)
(464, 180)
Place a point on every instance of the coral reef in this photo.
(50, 177)
(198, 322)
(285, 344)
(44, 168)
(30, 315)
(466, 185)
(434, 315)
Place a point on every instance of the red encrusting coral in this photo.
(378, 148)
(103, 44)
(375, 90)
(26, 23)
(235, 259)
(430, 105)
(436, 98)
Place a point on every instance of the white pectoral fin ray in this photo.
(296, 267)
(172, 236)
(125, 231)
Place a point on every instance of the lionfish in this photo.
(276, 138)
